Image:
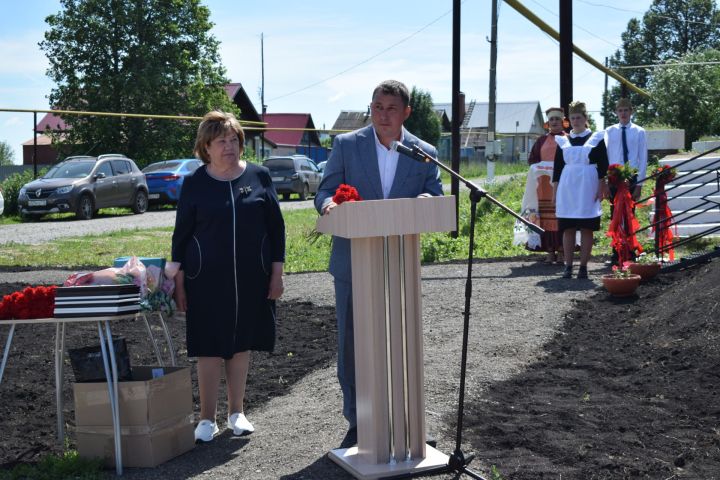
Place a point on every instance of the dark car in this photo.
(294, 174)
(85, 184)
(165, 179)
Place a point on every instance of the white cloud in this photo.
(12, 121)
(22, 57)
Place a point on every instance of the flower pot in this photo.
(621, 287)
(645, 270)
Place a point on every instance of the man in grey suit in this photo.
(365, 160)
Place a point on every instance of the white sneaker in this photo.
(239, 424)
(205, 431)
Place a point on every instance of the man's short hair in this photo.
(395, 88)
(623, 102)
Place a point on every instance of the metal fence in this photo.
(7, 170)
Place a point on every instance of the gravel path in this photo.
(294, 432)
(48, 229)
(516, 307)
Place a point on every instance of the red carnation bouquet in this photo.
(346, 193)
(32, 302)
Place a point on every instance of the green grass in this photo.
(494, 235)
(479, 169)
(57, 467)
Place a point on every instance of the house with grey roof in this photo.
(350, 120)
(517, 125)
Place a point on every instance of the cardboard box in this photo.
(156, 417)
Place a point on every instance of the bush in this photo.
(11, 188)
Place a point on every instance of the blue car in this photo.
(165, 179)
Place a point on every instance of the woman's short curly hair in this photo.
(215, 124)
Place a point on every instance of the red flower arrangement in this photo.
(665, 174)
(33, 302)
(623, 223)
(620, 173)
(346, 193)
(663, 220)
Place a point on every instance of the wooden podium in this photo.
(387, 316)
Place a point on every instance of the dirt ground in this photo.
(610, 388)
(628, 389)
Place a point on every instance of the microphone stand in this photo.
(457, 461)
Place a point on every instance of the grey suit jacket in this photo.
(353, 161)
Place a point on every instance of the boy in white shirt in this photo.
(626, 144)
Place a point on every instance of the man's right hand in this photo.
(326, 209)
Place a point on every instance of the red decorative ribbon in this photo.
(346, 193)
(663, 220)
(623, 224)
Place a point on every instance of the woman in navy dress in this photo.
(230, 241)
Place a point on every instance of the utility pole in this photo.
(456, 120)
(35, 152)
(605, 98)
(491, 146)
(262, 95)
(566, 55)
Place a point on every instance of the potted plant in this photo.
(621, 282)
(647, 266)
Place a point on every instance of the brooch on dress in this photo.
(245, 190)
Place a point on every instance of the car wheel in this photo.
(85, 208)
(305, 192)
(140, 203)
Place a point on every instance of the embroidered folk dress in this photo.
(581, 160)
(227, 235)
(537, 204)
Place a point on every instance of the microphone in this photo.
(416, 153)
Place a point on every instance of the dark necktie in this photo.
(624, 145)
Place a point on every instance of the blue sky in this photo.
(325, 56)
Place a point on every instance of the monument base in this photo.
(348, 459)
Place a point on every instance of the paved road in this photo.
(46, 230)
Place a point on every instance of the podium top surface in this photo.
(378, 218)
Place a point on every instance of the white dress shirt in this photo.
(636, 145)
(387, 163)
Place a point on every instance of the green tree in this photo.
(688, 96)
(423, 121)
(149, 56)
(668, 30)
(6, 154)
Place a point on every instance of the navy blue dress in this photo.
(227, 235)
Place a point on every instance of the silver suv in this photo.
(294, 174)
(84, 185)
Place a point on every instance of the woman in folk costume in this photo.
(538, 200)
(581, 165)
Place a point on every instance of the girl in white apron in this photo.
(579, 178)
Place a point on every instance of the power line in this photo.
(661, 65)
(577, 26)
(643, 13)
(403, 40)
(366, 60)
